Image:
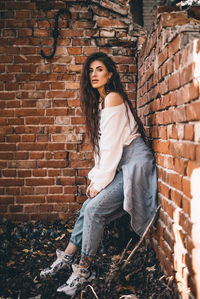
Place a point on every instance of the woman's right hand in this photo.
(91, 191)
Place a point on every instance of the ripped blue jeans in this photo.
(95, 213)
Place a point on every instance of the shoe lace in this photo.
(77, 275)
(61, 258)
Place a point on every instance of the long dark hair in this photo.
(89, 97)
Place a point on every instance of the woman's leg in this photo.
(65, 259)
(105, 212)
(76, 236)
(71, 249)
(98, 212)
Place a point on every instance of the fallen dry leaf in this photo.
(131, 296)
(10, 263)
(153, 268)
(116, 258)
(60, 237)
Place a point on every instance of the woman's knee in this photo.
(82, 211)
(91, 211)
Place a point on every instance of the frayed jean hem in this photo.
(84, 254)
(76, 244)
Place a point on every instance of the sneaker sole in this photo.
(52, 274)
(92, 277)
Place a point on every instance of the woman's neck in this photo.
(102, 93)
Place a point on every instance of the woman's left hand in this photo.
(91, 191)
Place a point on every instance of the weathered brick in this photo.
(180, 166)
(11, 182)
(191, 166)
(39, 172)
(70, 190)
(173, 19)
(9, 173)
(174, 46)
(23, 173)
(161, 146)
(115, 23)
(180, 114)
(59, 68)
(52, 164)
(193, 90)
(189, 132)
(187, 74)
(30, 199)
(162, 57)
(16, 208)
(60, 198)
(164, 87)
(174, 81)
(39, 181)
(193, 111)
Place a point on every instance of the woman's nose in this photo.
(93, 73)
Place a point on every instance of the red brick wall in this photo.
(168, 101)
(44, 153)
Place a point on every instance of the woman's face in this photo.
(99, 75)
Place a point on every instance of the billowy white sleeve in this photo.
(112, 125)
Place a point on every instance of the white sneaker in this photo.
(78, 277)
(63, 261)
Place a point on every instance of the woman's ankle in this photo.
(85, 261)
(71, 249)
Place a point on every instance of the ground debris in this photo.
(27, 248)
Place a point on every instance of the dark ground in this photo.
(26, 249)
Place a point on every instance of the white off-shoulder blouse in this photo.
(117, 129)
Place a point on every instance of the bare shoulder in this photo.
(113, 99)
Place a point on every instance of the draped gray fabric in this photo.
(140, 184)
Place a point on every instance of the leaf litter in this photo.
(27, 248)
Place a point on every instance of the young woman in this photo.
(123, 177)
